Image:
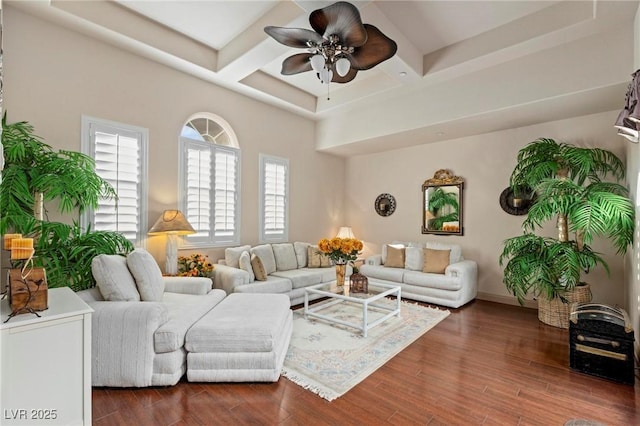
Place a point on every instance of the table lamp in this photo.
(172, 223)
(345, 232)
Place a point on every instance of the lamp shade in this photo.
(345, 232)
(172, 222)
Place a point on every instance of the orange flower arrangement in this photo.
(195, 265)
(341, 250)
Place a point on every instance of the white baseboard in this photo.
(507, 300)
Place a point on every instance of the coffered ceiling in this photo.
(462, 67)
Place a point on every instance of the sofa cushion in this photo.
(147, 273)
(258, 268)
(382, 272)
(303, 277)
(245, 264)
(241, 323)
(285, 256)
(184, 311)
(265, 253)
(436, 261)
(114, 279)
(301, 253)
(456, 250)
(428, 280)
(232, 255)
(272, 284)
(395, 257)
(413, 258)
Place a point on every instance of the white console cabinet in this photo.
(46, 363)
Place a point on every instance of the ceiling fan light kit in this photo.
(339, 47)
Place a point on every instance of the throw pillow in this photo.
(395, 257)
(245, 264)
(113, 278)
(413, 258)
(314, 256)
(258, 268)
(396, 244)
(147, 274)
(265, 253)
(232, 255)
(325, 261)
(436, 261)
(285, 256)
(456, 250)
(301, 253)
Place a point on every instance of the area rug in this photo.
(329, 359)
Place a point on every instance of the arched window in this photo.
(210, 180)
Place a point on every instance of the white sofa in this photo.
(286, 266)
(137, 341)
(455, 287)
(149, 330)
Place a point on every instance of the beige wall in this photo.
(632, 295)
(52, 76)
(485, 162)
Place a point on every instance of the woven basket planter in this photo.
(555, 312)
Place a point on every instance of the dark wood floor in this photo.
(486, 363)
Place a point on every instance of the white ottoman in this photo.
(242, 339)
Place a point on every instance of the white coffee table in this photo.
(343, 295)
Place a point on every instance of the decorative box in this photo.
(601, 342)
(30, 293)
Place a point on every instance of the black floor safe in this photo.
(601, 342)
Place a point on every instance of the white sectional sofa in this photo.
(287, 265)
(144, 325)
(455, 283)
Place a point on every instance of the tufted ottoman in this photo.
(243, 339)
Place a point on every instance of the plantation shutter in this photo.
(274, 198)
(118, 154)
(198, 190)
(225, 184)
(211, 192)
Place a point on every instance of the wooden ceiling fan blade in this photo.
(342, 19)
(296, 64)
(347, 78)
(377, 49)
(293, 37)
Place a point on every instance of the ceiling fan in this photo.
(339, 47)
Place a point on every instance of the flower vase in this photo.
(341, 269)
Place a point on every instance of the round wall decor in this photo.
(513, 205)
(385, 204)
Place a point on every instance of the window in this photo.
(274, 199)
(210, 181)
(120, 153)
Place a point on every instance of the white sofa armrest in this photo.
(188, 285)
(467, 272)
(376, 259)
(228, 278)
(122, 348)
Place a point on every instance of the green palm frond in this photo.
(544, 265)
(66, 252)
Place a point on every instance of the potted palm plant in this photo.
(34, 173)
(567, 182)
